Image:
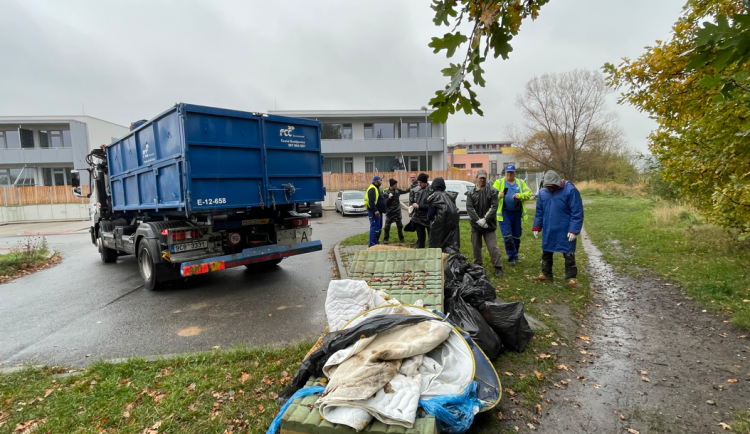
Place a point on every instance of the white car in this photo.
(460, 187)
(350, 202)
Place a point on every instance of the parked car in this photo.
(460, 187)
(350, 202)
(316, 209)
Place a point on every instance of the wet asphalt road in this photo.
(82, 309)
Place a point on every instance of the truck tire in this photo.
(257, 265)
(148, 267)
(108, 255)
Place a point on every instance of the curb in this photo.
(339, 262)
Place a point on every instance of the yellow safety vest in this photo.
(525, 195)
(367, 195)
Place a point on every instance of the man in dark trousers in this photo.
(375, 205)
(418, 197)
(393, 214)
(481, 205)
(559, 217)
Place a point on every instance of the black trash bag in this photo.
(471, 321)
(455, 268)
(313, 365)
(507, 320)
(410, 227)
(477, 291)
(475, 271)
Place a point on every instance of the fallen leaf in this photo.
(261, 408)
(48, 392)
(546, 314)
(533, 299)
(509, 374)
(191, 407)
(521, 376)
(500, 416)
(544, 356)
(731, 380)
(191, 387)
(563, 382)
(29, 426)
(622, 417)
(388, 389)
(644, 378)
(539, 375)
(516, 428)
(531, 426)
(580, 377)
(153, 429)
(562, 367)
(539, 409)
(596, 386)
(725, 426)
(632, 431)
(642, 372)
(554, 344)
(584, 352)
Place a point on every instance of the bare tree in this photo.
(566, 121)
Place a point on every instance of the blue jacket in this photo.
(556, 215)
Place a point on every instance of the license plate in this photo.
(185, 247)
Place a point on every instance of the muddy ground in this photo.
(647, 359)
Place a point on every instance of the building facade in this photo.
(356, 141)
(43, 150)
(489, 156)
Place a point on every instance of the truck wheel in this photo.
(258, 265)
(108, 255)
(147, 267)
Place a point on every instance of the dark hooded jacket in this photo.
(419, 196)
(482, 204)
(393, 203)
(444, 231)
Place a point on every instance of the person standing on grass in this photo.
(393, 213)
(375, 205)
(481, 205)
(511, 210)
(559, 216)
(418, 197)
(442, 213)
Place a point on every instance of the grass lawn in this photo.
(639, 235)
(214, 392)
(552, 303)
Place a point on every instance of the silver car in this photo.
(350, 202)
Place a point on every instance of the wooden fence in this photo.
(360, 180)
(14, 196)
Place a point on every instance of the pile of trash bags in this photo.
(394, 363)
(471, 302)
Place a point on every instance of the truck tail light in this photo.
(296, 223)
(185, 235)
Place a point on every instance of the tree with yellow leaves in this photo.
(695, 86)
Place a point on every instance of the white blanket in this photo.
(346, 299)
(369, 379)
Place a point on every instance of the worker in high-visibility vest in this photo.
(375, 205)
(512, 192)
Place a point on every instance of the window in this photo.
(336, 132)
(477, 165)
(460, 166)
(54, 139)
(11, 140)
(2, 141)
(380, 131)
(27, 138)
(348, 165)
(354, 195)
(369, 164)
(382, 164)
(413, 130)
(57, 176)
(18, 177)
(333, 165)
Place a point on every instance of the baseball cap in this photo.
(376, 178)
(482, 174)
(510, 168)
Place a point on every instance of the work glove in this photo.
(482, 223)
(390, 196)
(572, 237)
(536, 234)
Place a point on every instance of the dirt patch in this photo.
(648, 359)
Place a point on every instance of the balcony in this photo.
(368, 146)
(36, 155)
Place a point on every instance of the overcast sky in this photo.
(131, 60)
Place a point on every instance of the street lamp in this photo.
(426, 155)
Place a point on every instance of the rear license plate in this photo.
(185, 247)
